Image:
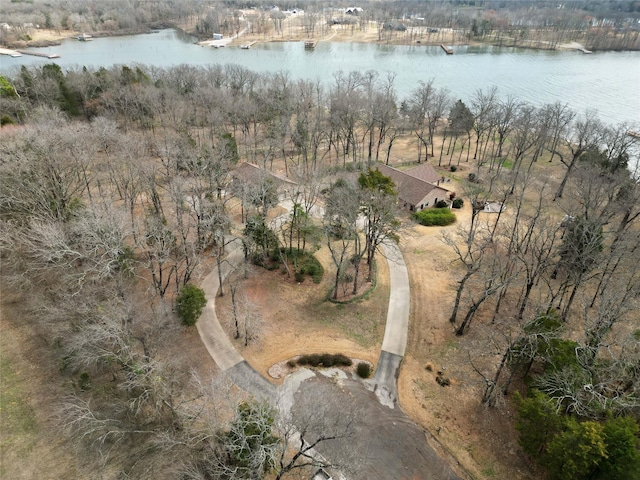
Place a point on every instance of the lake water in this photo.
(608, 82)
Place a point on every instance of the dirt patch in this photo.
(298, 319)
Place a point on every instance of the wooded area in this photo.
(119, 189)
(117, 192)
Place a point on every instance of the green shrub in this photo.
(453, 168)
(458, 203)
(435, 217)
(313, 268)
(311, 359)
(7, 89)
(6, 120)
(363, 370)
(330, 360)
(189, 303)
(325, 360)
(577, 450)
(623, 457)
(84, 382)
(299, 276)
(441, 204)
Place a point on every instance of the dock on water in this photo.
(38, 54)
(633, 134)
(447, 50)
(309, 44)
(246, 46)
(10, 53)
(584, 50)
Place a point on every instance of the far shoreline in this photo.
(48, 38)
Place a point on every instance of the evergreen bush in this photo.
(189, 303)
(363, 370)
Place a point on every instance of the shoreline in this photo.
(48, 38)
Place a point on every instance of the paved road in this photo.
(373, 442)
(216, 340)
(394, 343)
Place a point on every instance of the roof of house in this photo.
(250, 172)
(425, 172)
(411, 189)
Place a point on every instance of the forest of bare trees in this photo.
(116, 190)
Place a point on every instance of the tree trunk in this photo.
(456, 304)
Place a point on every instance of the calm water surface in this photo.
(608, 82)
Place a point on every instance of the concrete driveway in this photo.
(381, 442)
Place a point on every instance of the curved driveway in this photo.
(384, 382)
(216, 340)
(392, 444)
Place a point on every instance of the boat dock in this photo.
(633, 134)
(584, 50)
(38, 54)
(10, 53)
(246, 46)
(447, 50)
(309, 44)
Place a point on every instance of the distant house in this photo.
(353, 11)
(417, 187)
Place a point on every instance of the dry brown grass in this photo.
(30, 445)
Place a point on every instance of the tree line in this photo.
(597, 24)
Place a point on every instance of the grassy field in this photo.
(17, 417)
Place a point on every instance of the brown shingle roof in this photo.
(425, 172)
(410, 189)
(249, 172)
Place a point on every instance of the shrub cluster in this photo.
(312, 267)
(325, 360)
(435, 217)
(576, 449)
(458, 203)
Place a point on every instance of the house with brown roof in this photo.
(249, 172)
(415, 191)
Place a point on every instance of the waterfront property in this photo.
(414, 192)
(537, 77)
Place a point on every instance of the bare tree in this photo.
(340, 225)
(584, 133)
